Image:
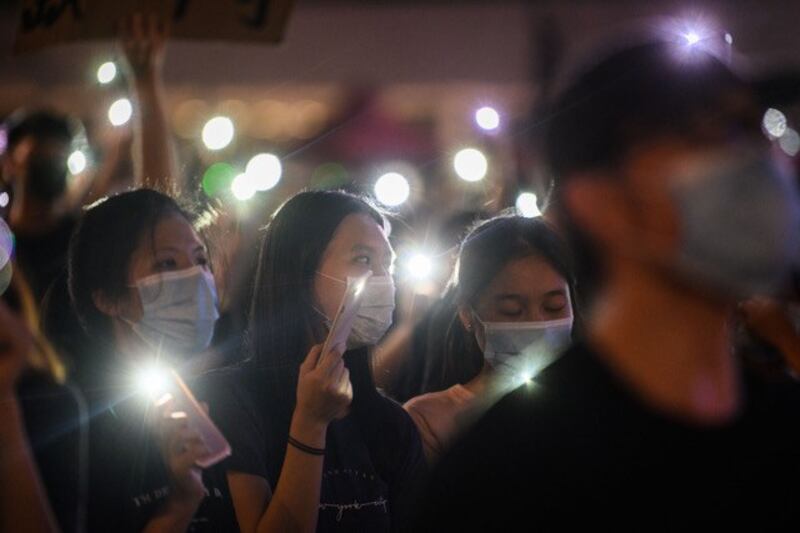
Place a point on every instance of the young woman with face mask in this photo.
(315, 445)
(141, 285)
(513, 313)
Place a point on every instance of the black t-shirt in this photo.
(129, 479)
(373, 464)
(578, 447)
(53, 422)
(42, 257)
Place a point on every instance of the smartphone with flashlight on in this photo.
(346, 314)
(187, 406)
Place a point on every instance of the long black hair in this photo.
(100, 252)
(484, 252)
(283, 321)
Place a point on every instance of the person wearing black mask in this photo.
(34, 172)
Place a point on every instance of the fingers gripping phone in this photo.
(346, 314)
(185, 402)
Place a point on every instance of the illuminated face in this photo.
(174, 246)
(528, 289)
(358, 246)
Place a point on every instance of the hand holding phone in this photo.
(346, 314)
(185, 405)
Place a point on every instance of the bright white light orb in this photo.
(242, 188)
(790, 142)
(392, 189)
(729, 38)
(419, 266)
(4, 199)
(152, 381)
(774, 123)
(120, 112)
(470, 164)
(218, 133)
(76, 162)
(527, 205)
(487, 118)
(107, 72)
(692, 38)
(264, 171)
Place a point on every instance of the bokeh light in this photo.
(528, 205)
(308, 119)
(692, 38)
(6, 243)
(329, 176)
(217, 179)
(790, 142)
(470, 164)
(76, 162)
(242, 187)
(774, 123)
(419, 266)
(152, 381)
(270, 120)
(392, 189)
(487, 118)
(120, 112)
(218, 133)
(4, 199)
(107, 72)
(6, 249)
(264, 171)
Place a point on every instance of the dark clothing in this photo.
(578, 447)
(61, 325)
(128, 477)
(422, 371)
(56, 432)
(373, 463)
(43, 257)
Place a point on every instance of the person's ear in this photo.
(106, 305)
(599, 207)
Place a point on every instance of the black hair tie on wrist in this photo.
(305, 448)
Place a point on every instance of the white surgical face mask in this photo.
(180, 310)
(519, 350)
(374, 317)
(740, 222)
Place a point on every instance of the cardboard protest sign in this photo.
(45, 23)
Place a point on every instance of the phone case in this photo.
(346, 314)
(218, 447)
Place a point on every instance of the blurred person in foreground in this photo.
(26, 505)
(42, 424)
(670, 194)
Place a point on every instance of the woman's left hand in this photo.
(181, 447)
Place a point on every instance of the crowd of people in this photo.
(629, 358)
